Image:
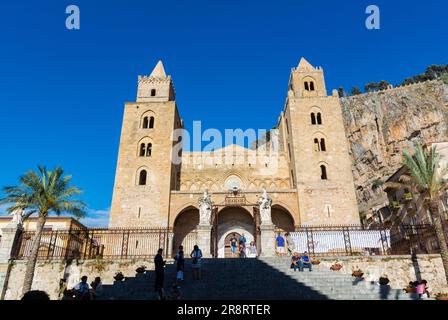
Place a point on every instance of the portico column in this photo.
(204, 239)
(10, 235)
(170, 244)
(267, 237)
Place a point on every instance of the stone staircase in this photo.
(255, 279)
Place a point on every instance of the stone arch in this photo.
(285, 184)
(232, 173)
(145, 119)
(323, 169)
(137, 176)
(282, 218)
(147, 141)
(234, 219)
(184, 227)
(309, 84)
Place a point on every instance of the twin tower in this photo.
(312, 186)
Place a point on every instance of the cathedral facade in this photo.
(308, 177)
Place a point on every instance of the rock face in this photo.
(380, 125)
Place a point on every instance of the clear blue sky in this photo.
(62, 92)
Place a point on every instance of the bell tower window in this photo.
(316, 144)
(313, 118)
(153, 92)
(151, 123)
(149, 150)
(142, 150)
(311, 86)
(319, 118)
(307, 86)
(145, 123)
(323, 172)
(322, 145)
(142, 178)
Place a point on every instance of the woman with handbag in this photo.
(196, 255)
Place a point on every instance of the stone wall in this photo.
(48, 274)
(400, 270)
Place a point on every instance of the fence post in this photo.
(310, 240)
(348, 245)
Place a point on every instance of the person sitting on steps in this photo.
(296, 262)
(306, 261)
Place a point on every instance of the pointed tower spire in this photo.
(159, 71)
(303, 64)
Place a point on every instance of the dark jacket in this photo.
(159, 263)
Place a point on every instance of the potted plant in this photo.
(315, 261)
(336, 266)
(410, 288)
(141, 269)
(119, 276)
(384, 280)
(441, 296)
(357, 273)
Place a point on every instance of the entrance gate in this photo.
(232, 200)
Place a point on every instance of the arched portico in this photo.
(185, 226)
(282, 218)
(233, 220)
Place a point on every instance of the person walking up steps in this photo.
(196, 255)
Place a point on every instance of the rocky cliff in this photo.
(380, 125)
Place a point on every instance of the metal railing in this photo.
(116, 243)
(133, 243)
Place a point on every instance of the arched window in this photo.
(151, 123)
(319, 118)
(313, 118)
(307, 87)
(322, 145)
(142, 150)
(323, 172)
(311, 85)
(145, 123)
(153, 92)
(142, 178)
(316, 144)
(149, 150)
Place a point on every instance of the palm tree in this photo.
(425, 179)
(42, 192)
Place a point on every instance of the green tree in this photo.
(425, 179)
(42, 193)
(341, 92)
(356, 91)
(371, 87)
(383, 85)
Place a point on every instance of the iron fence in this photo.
(96, 243)
(132, 243)
(342, 240)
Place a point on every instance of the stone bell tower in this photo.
(145, 174)
(319, 158)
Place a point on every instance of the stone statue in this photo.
(265, 203)
(17, 216)
(205, 209)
